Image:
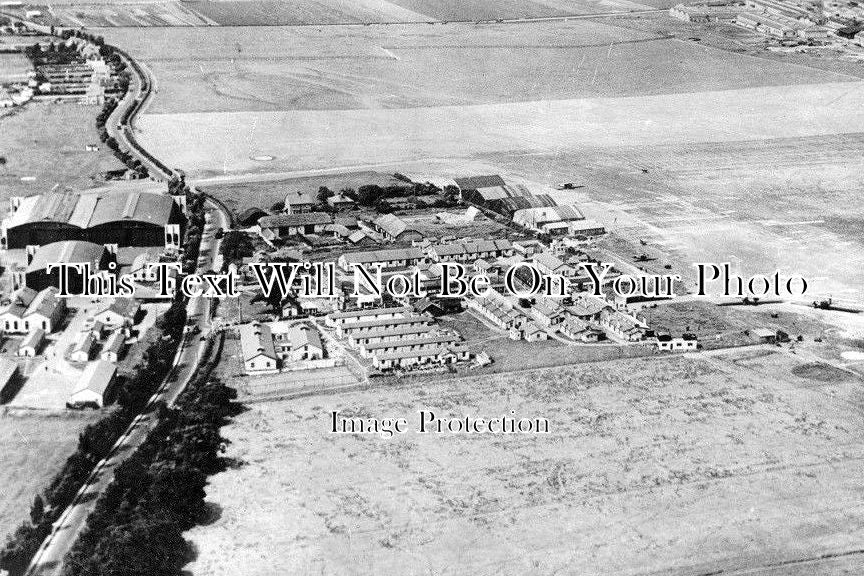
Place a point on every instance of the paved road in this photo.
(48, 559)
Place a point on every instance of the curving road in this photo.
(48, 560)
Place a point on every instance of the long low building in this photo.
(117, 217)
(413, 359)
(335, 319)
(382, 324)
(470, 251)
(394, 258)
(424, 342)
(388, 335)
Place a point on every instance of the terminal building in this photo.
(123, 218)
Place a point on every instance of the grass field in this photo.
(32, 450)
(303, 68)
(136, 13)
(44, 146)
(12, 66)
(655, 466)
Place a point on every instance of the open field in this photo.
(677, 465)
(32, 449)
(320, 12)
(13, 65)
(127, 14)
(44, 146)
(303, 68)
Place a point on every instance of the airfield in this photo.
(728, 463)
(739, 462)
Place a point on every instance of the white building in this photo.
(94, 387)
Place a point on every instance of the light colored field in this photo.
(128, 14)
(318, 12)
(46, 142)
(32, 450)
(305, 140)
(328, 68)
(12, 66)
(663, 466)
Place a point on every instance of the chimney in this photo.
(15, 203)
(31, 251)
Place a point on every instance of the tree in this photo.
(37, 510)
(323, 194)
(369, 194)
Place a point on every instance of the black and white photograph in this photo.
(432, 287)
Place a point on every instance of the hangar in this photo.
(39, 278)
(124, 218)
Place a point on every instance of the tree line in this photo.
(97, 439)
(158, 492)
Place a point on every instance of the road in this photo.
(48, 560)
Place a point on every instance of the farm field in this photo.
(44, 146)
(641, 452)
(143, 14)
(32, 450)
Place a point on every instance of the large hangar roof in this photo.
(89, 210)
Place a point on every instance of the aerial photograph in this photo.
(432, 287)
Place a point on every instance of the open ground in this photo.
(320, 12)
(44, 147)
(762, 461)
(33, 447)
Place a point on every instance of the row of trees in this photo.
(96, 441)
(158, 492)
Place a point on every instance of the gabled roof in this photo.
(397, 321)
(256, 339)
(475, 182)
(304, 335)
(299, 198)
(96, 377)
(470, 248)
(535, 217)
(398, 331)
(33, 339)
(85, 344)
(587, 306)
(7, 370)
(393, 225)
(548, 260)
(85, 210)
(45, 303)
(115, 342)
(126, 307)
(371, 312)
(287, 220)
(407, 342)
(66, 251)
(383, 255)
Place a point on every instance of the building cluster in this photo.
(515, 229)
(80, 75)
(780, 19)
(268, 347)
(536, 212)
(115, 232)
(398, 337)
